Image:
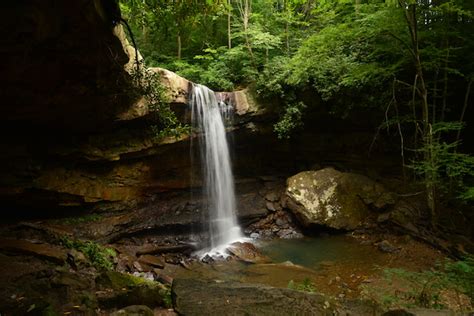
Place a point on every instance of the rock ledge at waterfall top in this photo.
(179, 88)
(335, 199)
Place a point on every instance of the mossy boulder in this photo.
(335, 199)
(121, 289)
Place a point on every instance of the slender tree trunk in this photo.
(179, 45)
(435, 96)
(430, 176)
(445, 83)
(144, 28)
(464, 108)
(287, 26)
(229, 20)
(415, 116)
(245, 12)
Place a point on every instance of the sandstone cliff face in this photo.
(72, 137)
(63, 83)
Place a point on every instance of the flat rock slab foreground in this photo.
(200, 297)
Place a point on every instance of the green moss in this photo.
(117, 281)
(100, 257)
(305, 286)
(422, 289)
(134, 290)
(81, 219)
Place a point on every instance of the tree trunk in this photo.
(445, 85)
(464, 108)
(245, 12)
(287, 26)
(179, 46)
(229, 19)
(430, 177)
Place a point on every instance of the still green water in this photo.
(295, 260)
(311, 252)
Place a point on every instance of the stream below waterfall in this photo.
(336, 264)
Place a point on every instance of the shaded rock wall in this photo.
(73, 139)
(63, 81)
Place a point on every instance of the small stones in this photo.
(207, 259)
(386, 246)
(247, 252)
(382, 218)
(134, 310)
(270, 207)
(255, 235)
(278, 224)
(272, 197)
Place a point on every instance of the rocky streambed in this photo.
(144, 261)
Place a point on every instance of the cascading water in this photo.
(207, 117)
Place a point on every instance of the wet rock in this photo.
(125, 262)
(134, 310)
(233, 298)
(272, 197)
(406, 211)
(163, 278)
(382, 218)
(144, 275)
(247, 252)
(120, 290)
(386, 246)
(71, 280)
(255, 235)
(207, 259)
(140, 267)
(76, 257)
(251, 206)
(278, 224)
(281, 222)
(289, 234)
(173, 258)
(151, 261)
(164, 312)
(46, 251)
(334, 199)
(154, 249)
(398, 312)
(270, 207)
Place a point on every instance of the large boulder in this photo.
(335, 199)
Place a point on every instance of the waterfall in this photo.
(207, 116)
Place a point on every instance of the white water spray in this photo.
(207, 117)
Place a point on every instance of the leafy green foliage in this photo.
(100, 257)
(148, 85)
(426, 288)
(445, 161)
(305, 286)
(290, 120)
